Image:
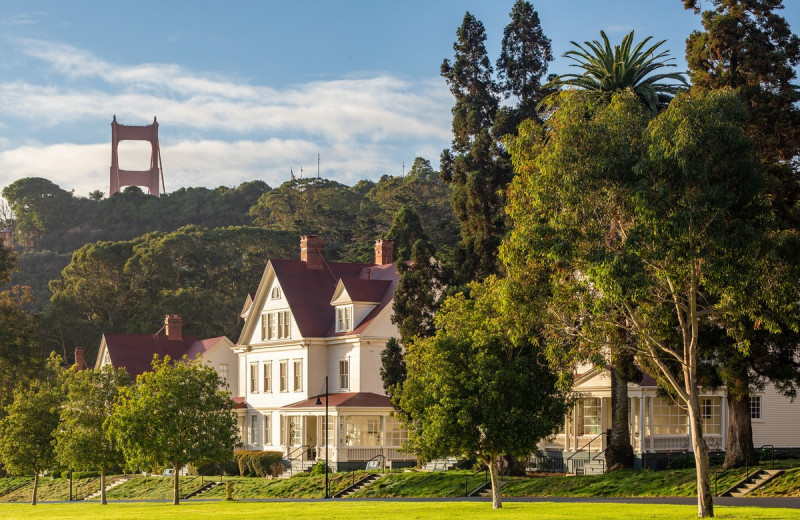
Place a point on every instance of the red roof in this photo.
(239, 402)
(309, 291)
(347, 399)
(135, 352)
(361, 290)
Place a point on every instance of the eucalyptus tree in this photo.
(746, 46)
(608, 70)
(661, 250)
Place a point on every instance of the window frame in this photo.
(267, 429)
(266, 377)
(760, 408)
(297, 375)
(344, 318)
(283, 375)
(344, 375)
(254, 377)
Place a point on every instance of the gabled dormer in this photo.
(275, 320)
(353, 300)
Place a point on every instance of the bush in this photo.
(57, 473)
(257, 463)
(319, 468)
(85, 474)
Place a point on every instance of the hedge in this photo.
(258, 463)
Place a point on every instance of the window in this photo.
(669, 418)
(276, 293)
(344, 374)
(710, 408)
(254, 378)
(223, 373)
(362, 430)
(267, 377)
(755, 407)
(295, 431)
(268, 428)
(297, 374)
(276, 325)
(284, 376)
(331, 430)
(395, 433)
(253, 429)
(589, 410)
(344, 318)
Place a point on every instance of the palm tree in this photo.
(626, 66)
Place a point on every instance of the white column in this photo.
(723, 421)
(641, 423)
(575, 428)
(650, 429)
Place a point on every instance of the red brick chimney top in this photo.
(311, 248)
(173, 324)
(79, 359)
(384, 252)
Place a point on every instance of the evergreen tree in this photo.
(416, 298)
(406, 230)
(746, 46)
(393, 369)
(476, 166)
(522, 64)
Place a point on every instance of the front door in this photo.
(311, 436)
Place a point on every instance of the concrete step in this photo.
(109, 487)
(755, 481)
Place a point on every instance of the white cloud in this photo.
(362, 126)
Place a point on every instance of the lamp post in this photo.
(325, 423)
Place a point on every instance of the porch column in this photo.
(566, 432)
(641, 423)
(723, 421)
(650, 429)
(604, 408)
(575, 428)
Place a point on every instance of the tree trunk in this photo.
(739, 447)
(619, 450)
(103, 501)
(705, 505)
(176, 499)
(497, 500)
(35, 487)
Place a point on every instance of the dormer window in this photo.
(276, 325)
(344, 318)
(276, 293)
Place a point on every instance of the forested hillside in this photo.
(120, 264)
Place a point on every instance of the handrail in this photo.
(589, 444)
(718, 474)
(201, 477)
(302, 449)
(773, 452)
(352, 472)
(485, 472)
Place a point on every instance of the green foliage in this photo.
(20, 356)
(258, 463)
(82, 441)
(417, 295)
(522, 63)
(202, 274)
(489, 394)
(26, 432)
(174, 415)
(606, 70)
(405, 231)
(393, 367)
(39, 204)
(666, 245)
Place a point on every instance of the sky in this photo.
(256, 89)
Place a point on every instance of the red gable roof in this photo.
(361, 290)
(135, 352)
(309, 291)
(347, 399)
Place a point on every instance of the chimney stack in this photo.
(79, 359)
(311, 251)
(174, 327)
(384, 252)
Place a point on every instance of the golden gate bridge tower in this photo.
(147, 178)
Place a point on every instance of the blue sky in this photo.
(246, 90)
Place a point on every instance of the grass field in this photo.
(410, 510)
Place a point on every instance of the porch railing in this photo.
(294, 453)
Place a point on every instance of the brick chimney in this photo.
(384, 252)
(173, 324)
(79, 359)
(311, 251)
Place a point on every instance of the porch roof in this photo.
(345, 400)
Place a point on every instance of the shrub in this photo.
(85, 474)
(319, 468)
(256, 463)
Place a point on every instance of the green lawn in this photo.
(410, 510)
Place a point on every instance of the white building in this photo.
(312, 323)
